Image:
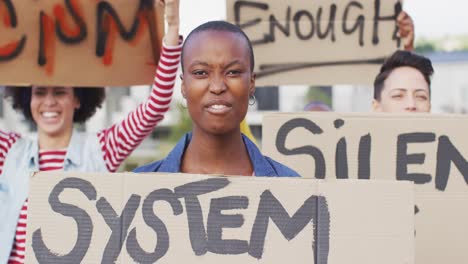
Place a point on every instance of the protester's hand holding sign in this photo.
(171, 14)
(406, 30)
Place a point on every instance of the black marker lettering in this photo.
(190, 193)
(82, 219)
(151, 219)
(403, 158)
(446, 154)
(118, 224)
(330, 25)
(359, 22)
(364, 157)
(217, 221)
(314, 209)
(286, 128)
(13, 49)
(298, 22)
(237, 17)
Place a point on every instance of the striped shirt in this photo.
(6, 141)
(117, 142)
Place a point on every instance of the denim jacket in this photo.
(83, 154)
(263, 166)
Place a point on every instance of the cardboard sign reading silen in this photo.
(177, 218)
(429, 150)
(79, 43)
(320, 42)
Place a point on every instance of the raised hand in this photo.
(171, 15)
(406, 30)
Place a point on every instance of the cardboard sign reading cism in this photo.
(429, 150)
(173, 218)
(318, 42)
(78, 42)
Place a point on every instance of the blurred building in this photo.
(11, 120)
(450, 82)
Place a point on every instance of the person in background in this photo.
(406, 30)
(403, 84)
(54, 110)
(406, 33)
(217, 82)
(317, 106)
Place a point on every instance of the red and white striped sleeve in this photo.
(7, 139)
(118, 141)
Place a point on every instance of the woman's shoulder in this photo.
(281, 169)
(9, 136)
(16, 150)
(17, 142)
(151, 167)
(171, 163)
(267, 166)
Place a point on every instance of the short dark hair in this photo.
(90, 99)
(222, 26)
(398, 59)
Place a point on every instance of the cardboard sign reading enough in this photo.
(319, 42)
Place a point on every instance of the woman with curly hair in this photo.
(54, 110)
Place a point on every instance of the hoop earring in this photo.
(252, 99)
(183, 104)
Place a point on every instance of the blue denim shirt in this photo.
(83, 154)
(263, 166)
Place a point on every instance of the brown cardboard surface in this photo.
(342, 221)
(317, 43)
(55, 42)
(372, 152)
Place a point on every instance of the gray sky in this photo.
(437, 18)
(433, 18)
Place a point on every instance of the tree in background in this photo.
(183, 125)
(425, 47)
(319, 94)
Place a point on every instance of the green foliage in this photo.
(465, 43)
(319, 93)
(448, 43)
(425, 47)
(183, 125)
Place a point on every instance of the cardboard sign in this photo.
(79, 43)
(429, 150)
(319, 42)
(171, 218)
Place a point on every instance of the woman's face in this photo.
(405, 90)
(52, 109)
(217, 80)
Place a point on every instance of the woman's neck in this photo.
(224, 154)
(54, 141)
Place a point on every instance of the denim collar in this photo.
(173, 160)
(73, 151)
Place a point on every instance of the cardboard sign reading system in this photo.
(172, 218)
